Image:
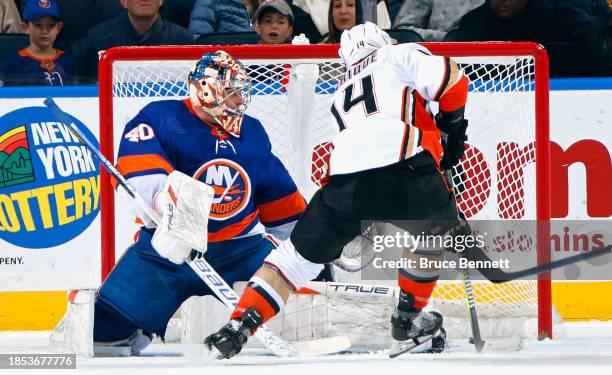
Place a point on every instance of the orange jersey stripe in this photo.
(282, 208)
(136, 163)
(456, 96)
(431, 133)
(232, 230)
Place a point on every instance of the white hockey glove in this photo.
(300, 40)
(185, 205)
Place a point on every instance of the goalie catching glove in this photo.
(185, 204)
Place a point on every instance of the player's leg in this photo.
(416, 284)
(318, 238)
(425, 206)
(145, 290)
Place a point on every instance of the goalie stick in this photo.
(201, 267)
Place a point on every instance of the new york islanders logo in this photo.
(232, 187)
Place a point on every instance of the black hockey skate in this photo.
(412, 329)
(232, 336)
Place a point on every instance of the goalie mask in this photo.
(360, 41)
(220, 86)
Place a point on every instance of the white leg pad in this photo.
(294, 267)
(75, 331)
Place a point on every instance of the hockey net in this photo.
(502, 177)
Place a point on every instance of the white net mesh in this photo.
(291, 97)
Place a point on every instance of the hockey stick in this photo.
(467, 285)
(496, 275)
(200, 266)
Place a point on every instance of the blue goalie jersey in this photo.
(253, 190)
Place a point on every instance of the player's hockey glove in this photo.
(454, 147)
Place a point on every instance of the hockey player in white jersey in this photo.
(385, 165)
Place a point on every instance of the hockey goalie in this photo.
(208, 170)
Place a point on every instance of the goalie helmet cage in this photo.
(509, 90)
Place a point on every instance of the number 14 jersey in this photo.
(381, 106)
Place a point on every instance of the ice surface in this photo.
(579, 346)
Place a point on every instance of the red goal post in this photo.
(538, 82)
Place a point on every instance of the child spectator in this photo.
(39, 64)
(9, 17)
(274, 22)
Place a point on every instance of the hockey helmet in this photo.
(220, 86)
(360, 41)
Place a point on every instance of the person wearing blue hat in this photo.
(39, 64)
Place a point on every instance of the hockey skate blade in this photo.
(319, 347)
(400, 347)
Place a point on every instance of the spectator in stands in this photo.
(432, 19)
(178, 11)
(80, 16)
(590, 22)
(218, 16)
(142, 25)
(319, 11)
(274, 22)
(578, 13)
(512, 20)
(39, 64)
(9, 17)
(394, 7)
(556, 25)
(342, 15)
(274, 25)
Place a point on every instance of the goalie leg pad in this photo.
(147, 289)
(75, 331)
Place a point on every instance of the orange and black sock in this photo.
(259, 295)
(420, 288)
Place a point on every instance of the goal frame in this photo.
(330, 51)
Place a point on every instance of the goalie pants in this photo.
(144, 290)
(413, 189)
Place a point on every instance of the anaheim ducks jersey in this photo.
(381, 106)
(252, 187)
